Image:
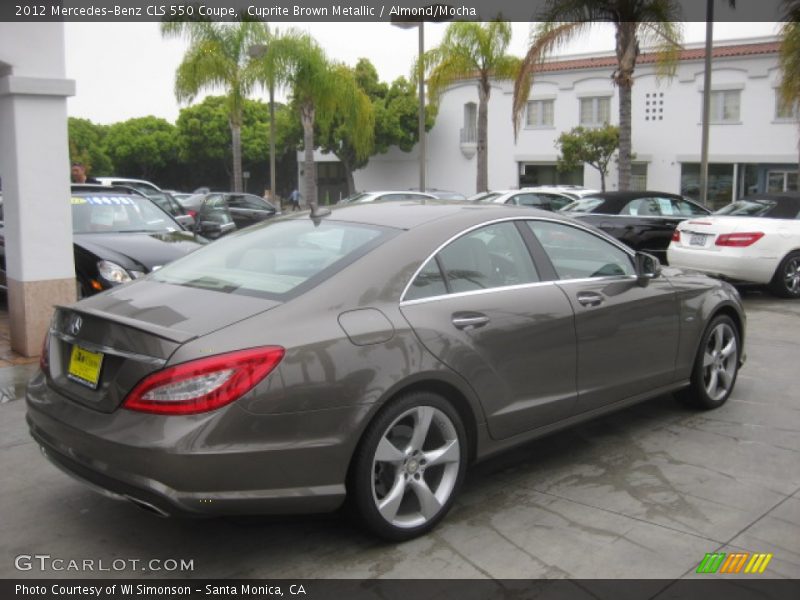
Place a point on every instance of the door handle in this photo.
(470, 320)
(590, 299)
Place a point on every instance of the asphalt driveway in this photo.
(644, 493)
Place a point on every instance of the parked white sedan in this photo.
(754, 240)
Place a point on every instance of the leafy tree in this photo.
(204, 139)
(594, 147)
(218, 58)
(87, 146)
(141, 147)
(790, 54)
(322, 92)
(395, 110)
(653, 22)
(471, 49)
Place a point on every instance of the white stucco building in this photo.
(34, 168)
(753, 137)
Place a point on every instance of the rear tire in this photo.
(786, 281)
(716, 365)
(409, 467)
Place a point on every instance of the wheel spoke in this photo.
(711, 386)
(428, 503)
(388, 452)
(727, 379)
(729, 348)
(422, 422)
(718, 339)
(708, 359)
(449, 453)
(390, 504)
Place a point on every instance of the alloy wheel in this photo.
(415, 467)
(720, 358)
(791, 276)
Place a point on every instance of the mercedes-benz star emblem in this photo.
(74, 325)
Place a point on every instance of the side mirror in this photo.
(186, 221)
(647, 267)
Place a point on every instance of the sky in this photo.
(126, 70)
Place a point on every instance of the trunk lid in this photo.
(130, 331)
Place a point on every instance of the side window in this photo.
(578, 254)
(525, 200)
(681, 207)
(642, 207)
(489, 257)
(428, 283)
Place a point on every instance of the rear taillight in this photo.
(44, 356)
(676, 236)
(739, 240)
(192, 213)
(204, 384)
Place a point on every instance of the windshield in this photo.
(586, 205)
(747, 208)
(115, 213)
(275, 260)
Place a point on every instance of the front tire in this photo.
(409, 467)
(716, 365)
(786, 281)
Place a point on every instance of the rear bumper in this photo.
(182, 471)
(729, 264)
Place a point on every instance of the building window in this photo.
(540, 113)
(469, 134)
(638, 177)
(720, 183)
(725, 106)
(595, 111)
(654, 106)
(781, 181)
(784, 111)
(548, 174)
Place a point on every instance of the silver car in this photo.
(368, 356)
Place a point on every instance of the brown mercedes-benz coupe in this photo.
(370, 354)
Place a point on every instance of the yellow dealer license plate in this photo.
(84, 366)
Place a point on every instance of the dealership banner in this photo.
(341, 11)
(394, 589)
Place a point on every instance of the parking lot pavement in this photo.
(643, 493)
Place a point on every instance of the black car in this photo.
(644, 221)
(218, 213)
(118, 235)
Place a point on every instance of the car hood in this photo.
(140, 249)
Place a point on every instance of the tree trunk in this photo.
(307, 114)
(602, 180)
(627, 52)
(482, 181)
(236, 141)
(625, 150)
(348, 174)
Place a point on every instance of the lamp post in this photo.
(421, 78)
(257, 51)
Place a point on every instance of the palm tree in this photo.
(322, 90)
(218, 57)
(469, 50)
(652, 22)
(790, 56)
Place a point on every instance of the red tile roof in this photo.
(692, 54)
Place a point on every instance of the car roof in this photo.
(94, 188)
(633, 195)
(408, 214)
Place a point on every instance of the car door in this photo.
(627, 333)
(481, 307)
(247, 209)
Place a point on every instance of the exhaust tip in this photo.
(151, 508)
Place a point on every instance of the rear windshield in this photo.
(117, 213)
(276, 260)
(585, 205)
(747, 208)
